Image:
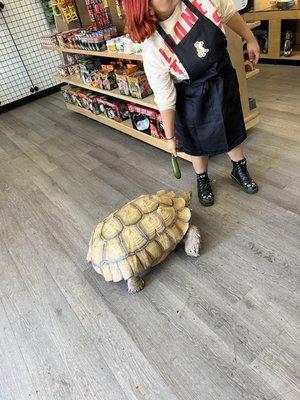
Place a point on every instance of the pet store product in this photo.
(116, 110)
(108, 77)
(122, 75)
(145, 120)
(138, 85)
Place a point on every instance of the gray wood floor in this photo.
(221, 327)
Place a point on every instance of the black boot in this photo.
(205, 193)
(241, 175)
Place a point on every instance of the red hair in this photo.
(140, 24)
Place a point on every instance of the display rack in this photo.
(133, 57)
(275, 20)
(235, 48)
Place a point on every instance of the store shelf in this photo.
(271, 15)
(295, 56)
(253, 73)
(264, 55)
(252, 119)
(136, 57)
(74, 80)
(252, 25)
(124, 127)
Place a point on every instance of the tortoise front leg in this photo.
(135, 284)
(192, 241)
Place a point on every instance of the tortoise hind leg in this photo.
(135, 284)
(192, 241)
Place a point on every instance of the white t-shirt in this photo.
(161, 65)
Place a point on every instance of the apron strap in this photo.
(193, 8)
(167, 38)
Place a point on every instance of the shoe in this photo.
(241, 175)
(205, 193)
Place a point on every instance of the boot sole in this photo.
(245, 190)
(206, 204)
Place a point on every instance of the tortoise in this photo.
(140, 235)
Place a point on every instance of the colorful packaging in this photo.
(138, 85)
(62, 70)
(111, 46)
(116, 110)
(96, 79)
(101, 101)
(121, 75)
(74, 69)
(66, 95)
(87, 68)
(145, 120)
(108, 77)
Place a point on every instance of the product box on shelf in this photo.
(108, 77)
(94, 105)
(146, 120)
(88, 66)
(122, 74)
(138, 85)
(66, 95)
(96, 79)
(115, 109)
(50, 40)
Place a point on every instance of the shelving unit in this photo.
(134, 57)
(275, 20)
(252, 74)
(76, 81)
(124, 127)
(235, 48)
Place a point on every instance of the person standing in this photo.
(194, 83)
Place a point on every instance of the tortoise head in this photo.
(187, 197)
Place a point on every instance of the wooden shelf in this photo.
(264, 55)
(74, 80)
(253, 73)
(125, 127)
(252, 25)
(272, 14)
(294, 57)
(252, 119)
(136, 57)
(275, 19)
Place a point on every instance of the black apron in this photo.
(209, 118)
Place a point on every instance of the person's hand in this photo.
(172, 146)
(253, 51)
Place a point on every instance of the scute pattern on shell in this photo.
(139, 235)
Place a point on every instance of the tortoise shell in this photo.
(139, 235)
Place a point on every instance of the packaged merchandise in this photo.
(111, 46)
(62, 70)
(138, 85)
(146, 120)
(74, 69)
(122, 74)
(50, 40)
(108, 77)
(66, 95)
(88, 66)
(101, 105)
(116, 110)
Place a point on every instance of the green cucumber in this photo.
(175, 167)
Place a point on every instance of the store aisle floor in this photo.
(221, 327)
